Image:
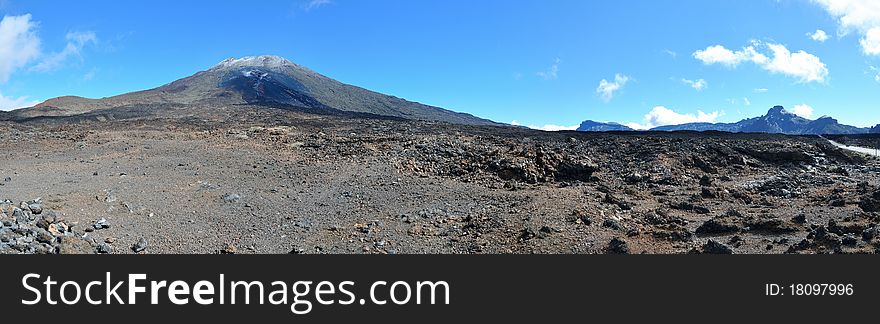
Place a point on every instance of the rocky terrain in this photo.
(256, 179)
(261, 155)
(871, 141)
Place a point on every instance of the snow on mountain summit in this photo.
(266, 61)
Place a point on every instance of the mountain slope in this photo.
(777, 120)
(261, 80)
(594, 126)
(700, 127)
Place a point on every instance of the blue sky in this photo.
(538, 63)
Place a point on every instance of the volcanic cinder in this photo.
(260, 155)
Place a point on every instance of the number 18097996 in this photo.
(801, 289)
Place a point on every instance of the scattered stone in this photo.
(104, 248)
(108, 198)
(634, 178)
(7, 236)
(770, 225)
(36, 208)
(232, 198)
(548, 230)
(870, 202)
(19, 215)
(687, 206)
(140, 246)
(840, 171)
(360, 227)
(719, 225)
(783, 187)
(128, 207)
(799, 219)
(229, 249)
(673, 232)
(708, 193)
(662, 217)
(527, 234)
(847, 227)
(850, 240)
(715, 247)
(617, 246)
(871, 233)
(611, 199)
(43, 236)
(579, 216)
(612, 224)
(736, 241)
(703, 165)
(101, 224)
(705, 181)
(820, 240)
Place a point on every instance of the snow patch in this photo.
(267, 61)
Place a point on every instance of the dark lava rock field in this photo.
(249, 179)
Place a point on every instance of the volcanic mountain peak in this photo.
(265, 61)
(261, 80)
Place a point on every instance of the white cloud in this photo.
(75, 42)
(554, 128)
(761, 90)
(89, 76)
(315, 4)
(7, 103)
(661, 116)
(871, 42)
(819, 36)
(717, 54)
(746, 101)
(19, 44)
(803, 66)
(671, 53)
(861, 16)
(548, 127)
(552, 73)
(802, 110)
(699, 85)
(607, 88)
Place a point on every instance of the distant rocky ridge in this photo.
(594, 126)
(259, 80)
(776, 121)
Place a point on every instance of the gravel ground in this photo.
(244, 179)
